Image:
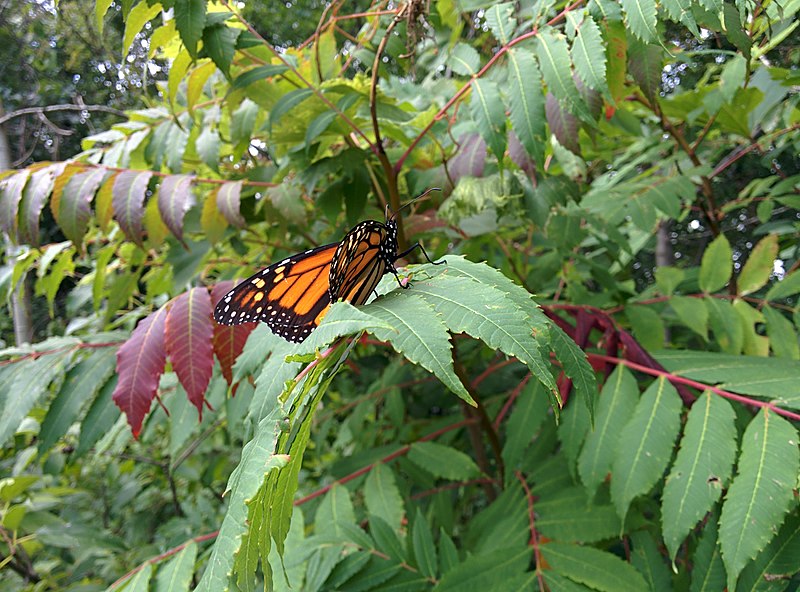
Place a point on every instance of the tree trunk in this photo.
(21, 297)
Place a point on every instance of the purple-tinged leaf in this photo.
(102, 202)
(10, 196)
(140, 363)
(128, 202)
(33, 199)
(228, 196)
(519, 155)
(189, 337)
(73, 209)
(645, 63)
(174, 199)
(563, 124)
(228, 340)
(470, 159)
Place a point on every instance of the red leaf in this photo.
(174, 198)
(228, 340)
(140, 363)
(189, 335)
(228, 203)
(128, 202)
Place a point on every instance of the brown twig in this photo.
(57, 108)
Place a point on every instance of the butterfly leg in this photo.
(421, 248)
(397, 277)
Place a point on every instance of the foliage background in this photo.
(634, 165)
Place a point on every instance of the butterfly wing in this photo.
(290, 296)
(359, 262)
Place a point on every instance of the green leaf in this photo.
(415, 330)
(100, 9)
(647, 558)
(501, 21)
(576, 366)
(716, 266)
(708, 572)
(485, 572)
(530, 410)
(81, 384)
(571, 517)
(100, 418)
(645, 444)
(526, 102)
(759, 265)
(614, 409)
(732, 77)
(30, 382)
(595, 568)
(245, 481)
(647, 324)
(668, 278)
(489, 114)
(589, 56)
(140, 581)
(779, 559)
(641, 18)
(219, 41)
(422, 543)
(487, 314)
(782, 334)
(342, 319)
(258, 73)
(382, 497)
(177, 573)
(318, 126)
(443, 461)
(572, 430)
(288, 102)
(386, 539)
(726, 324)
(242, 122)
(701, 470)
(693, 313)
(555, 62)
(190, 18)
(788, 286)
(761, 493)
(207, 146)
(769, 378)
(464, 59)
(138, 17)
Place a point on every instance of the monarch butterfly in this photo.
(293, 295)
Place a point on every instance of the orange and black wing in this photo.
(359, 262)
(290, 296)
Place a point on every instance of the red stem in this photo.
(695, 384)
(396, 454)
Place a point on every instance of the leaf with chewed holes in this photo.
(140, 363)
(189, 333)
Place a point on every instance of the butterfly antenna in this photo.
(411, 201)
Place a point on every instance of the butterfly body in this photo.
(293, 295)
